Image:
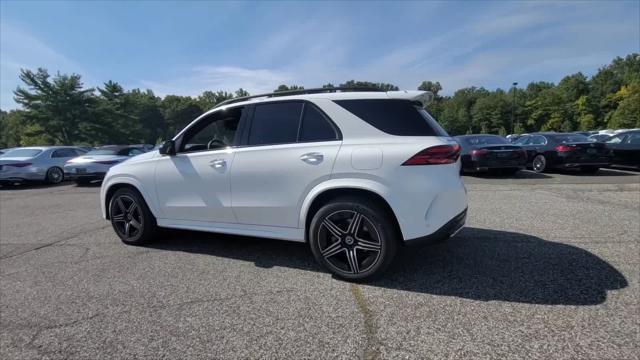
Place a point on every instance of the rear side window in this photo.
(395, 117)
(315, 127)
(63, 153)
(275, 123)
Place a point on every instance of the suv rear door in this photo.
(288, 147)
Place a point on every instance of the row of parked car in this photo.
(54, 164)
(480, 153)
(550, 150)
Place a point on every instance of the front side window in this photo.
(633, 139)
(315, 127)
(214, 132)
(275, 123)
(537, 140)
(522, 140)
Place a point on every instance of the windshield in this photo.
(103, 152)
(22, 153)
(573, 138)
(485, 140)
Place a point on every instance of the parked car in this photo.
(599, 137)
(481, 153)
(626, 149)
(4, 151)
(564, 151)
(39, 163)
(354, 174)
(94, 165)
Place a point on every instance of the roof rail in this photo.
(299, 92)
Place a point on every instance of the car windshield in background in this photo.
(104, 152)
(573, 138)
(485, 140)
(22, 153)
(394, 117)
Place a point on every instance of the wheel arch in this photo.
(111, 189)
(320, 197)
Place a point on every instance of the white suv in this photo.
(353, 173)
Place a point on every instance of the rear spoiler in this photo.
(423, 97)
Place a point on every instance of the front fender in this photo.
(120, 179)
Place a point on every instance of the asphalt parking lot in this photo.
(547, 267)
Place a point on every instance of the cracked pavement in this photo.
(547, 267)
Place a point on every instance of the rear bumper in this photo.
(443, 233)
(480, 165)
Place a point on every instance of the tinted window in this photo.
(63, 153)
(571, 138)
(485, 140)
(22, 153)
(522, 140)
(315, 127)
(216, 131)
(537, 140)
(633, 139)
(275, 123)
(395, 117)
(134, 152)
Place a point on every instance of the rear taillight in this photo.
(435, 155)
(479, 152)
(19, 165)
(107, 162)
(565, 148)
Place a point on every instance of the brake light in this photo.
(565, 148)
(107, 162)
(435, 155)
(479, 152)
(19, 165)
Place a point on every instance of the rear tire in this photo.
(589, 169)
(55, 175)
(131, 218)
(539, 164)
(359, 250)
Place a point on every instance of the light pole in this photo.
(513, 106)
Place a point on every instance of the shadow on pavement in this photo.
(477, 264)
(601, 172)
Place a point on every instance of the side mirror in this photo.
(168, 148)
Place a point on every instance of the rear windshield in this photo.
(485, 140)
(572, 138)
(395, 117)
(22, 153)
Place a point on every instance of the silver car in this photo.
(94, 165)
(36, 163)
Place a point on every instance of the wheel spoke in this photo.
(355, 223)
(135, 224)
(121, 205)
(333, 249)
(353, 261)
(368, 245)
(127, 228)
(131, 208)
(118, 218)
(333, 228)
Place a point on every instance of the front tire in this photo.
(353, 238)
(539, 164)
(55, 175)
(131, 218)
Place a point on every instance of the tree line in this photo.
(59, 109)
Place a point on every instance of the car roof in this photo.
(415, 95)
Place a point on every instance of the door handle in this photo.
(312, 158)
(218, 163)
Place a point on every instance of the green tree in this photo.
(12, 126)
(56, 107)
(178, 112)
(208, 99)
(284, 87)
(367, 84)
(241, 92)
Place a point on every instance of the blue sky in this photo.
(188, 47)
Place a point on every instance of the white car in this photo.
(353, 173)
(93, 165)
(36, 163)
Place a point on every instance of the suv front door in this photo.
(289, 147)
(194, 184)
